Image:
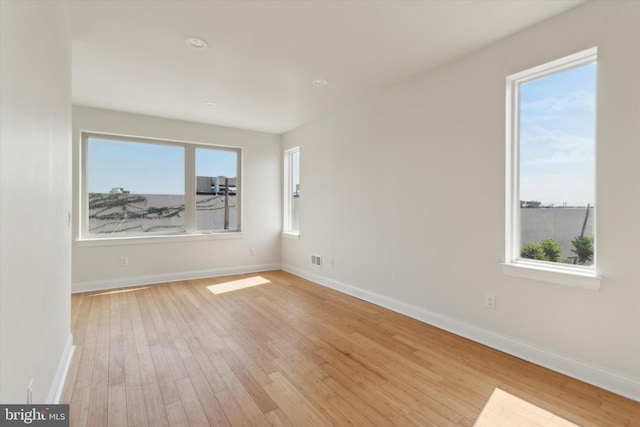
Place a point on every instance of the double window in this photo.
(142, 187)
(550, 210)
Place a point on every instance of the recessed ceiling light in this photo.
(320, 82)
(210, 104)
(196, 42)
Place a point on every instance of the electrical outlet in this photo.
(124, 261)
(490, 301)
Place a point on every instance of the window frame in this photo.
(87, 239)
(287, 220)
(586, 277)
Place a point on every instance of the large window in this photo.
(141, 187)
(291, 190)
(551, 165)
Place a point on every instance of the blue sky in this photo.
(557, 133)
(150, 168)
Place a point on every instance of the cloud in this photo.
(542, 146)
(554, 104)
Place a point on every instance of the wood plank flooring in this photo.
(274, 349)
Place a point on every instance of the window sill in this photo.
(568, 276)
(291, 235)
(145, 240)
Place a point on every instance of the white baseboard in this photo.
(55, 393)
(101, 285)
(613, 382)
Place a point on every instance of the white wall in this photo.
(438, 142)
(35, 200)
(98, 267)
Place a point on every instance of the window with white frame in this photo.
(142, 187)
(291, 190)
(551, 116)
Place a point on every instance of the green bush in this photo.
(533, 251)
(583, 248)
(551, 249)
(547, 250)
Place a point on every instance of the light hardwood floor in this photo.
(274, 349)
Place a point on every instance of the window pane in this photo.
(134, 187)
(557, 166)
(295, 172)
(291, 176)
(217, 192)
(295, 190)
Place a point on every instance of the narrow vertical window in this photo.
(292, 190)
(551, 164)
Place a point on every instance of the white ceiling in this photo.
(263, 55)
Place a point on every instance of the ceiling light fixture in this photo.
(210, 104)
(320, 82)
(196, 43)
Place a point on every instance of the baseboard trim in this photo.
(55, 392)
(101, 285)
(598, 377)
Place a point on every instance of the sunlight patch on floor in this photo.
(120, 291)
(505, 409)
(235, 285)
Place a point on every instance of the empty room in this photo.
(322, 212)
